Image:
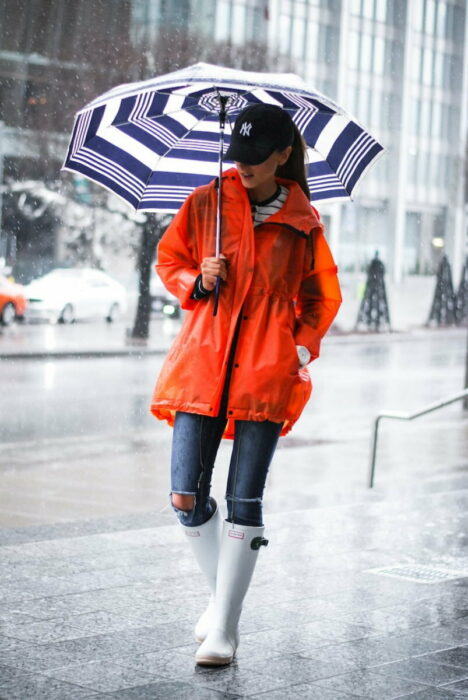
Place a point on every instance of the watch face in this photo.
(303, 354)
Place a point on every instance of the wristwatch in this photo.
(303, 355)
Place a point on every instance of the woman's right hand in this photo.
(211, 268)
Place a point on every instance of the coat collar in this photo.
(296, 211)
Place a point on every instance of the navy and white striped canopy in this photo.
(153, 142)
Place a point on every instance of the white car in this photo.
(66, 295)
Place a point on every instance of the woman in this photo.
(239, 374)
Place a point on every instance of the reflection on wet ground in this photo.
(74, 430)
(98, 596)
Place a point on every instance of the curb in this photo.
(337, 337)
(81, 354)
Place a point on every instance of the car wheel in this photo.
(67, 315)
(8, 314)
(113, 313)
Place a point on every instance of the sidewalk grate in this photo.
(419, 573)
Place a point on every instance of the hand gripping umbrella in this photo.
(154, 141)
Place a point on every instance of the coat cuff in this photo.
(199, 291)
(186, 283)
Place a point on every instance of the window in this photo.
(354, 50)
(363, 104)
(298, 29)
(436, 123)
(312, 41)
(379, 49)
(412, 241)
(455, 23)
(366, 52)
(422, 168)
(416, 59)
(238, 23)
(381, 10)
(36, 108)
(439, 59)
(414, 118)
(441, 21)
(425, 115)
(458, 24)
(389, 116)
(418, 16)
(412, 167)
(455, 73)
(368, 9)
(393, 57)
(429, 24)
(376, 114)
(428, 73)
(223, 22)
(285, 33)
(328, 44)
(445, 121)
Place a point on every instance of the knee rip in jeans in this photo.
(185, 502)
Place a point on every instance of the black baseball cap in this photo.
(259, 130)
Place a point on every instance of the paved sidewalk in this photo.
(105, 609)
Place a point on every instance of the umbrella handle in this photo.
(216, 300)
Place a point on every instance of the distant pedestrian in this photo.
(241, 374)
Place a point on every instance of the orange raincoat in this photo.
(282, 288)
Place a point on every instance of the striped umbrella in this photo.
(153, 142)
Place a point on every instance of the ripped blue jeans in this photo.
(195, 443)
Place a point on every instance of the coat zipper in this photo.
(227, 380)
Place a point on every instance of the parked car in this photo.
(12, 301)
(162, 300)
(66, 295)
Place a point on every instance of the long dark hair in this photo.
(294, 168)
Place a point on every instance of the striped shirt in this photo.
(265, 209)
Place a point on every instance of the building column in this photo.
(460, 233)
(341, 99)
(399, 206)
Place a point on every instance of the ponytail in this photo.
(294, 168)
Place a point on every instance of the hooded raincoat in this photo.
(281, 291)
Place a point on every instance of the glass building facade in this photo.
(399, 66)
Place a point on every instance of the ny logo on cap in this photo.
(245, 129)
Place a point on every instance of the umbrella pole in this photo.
(222, 122)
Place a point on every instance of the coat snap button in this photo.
(236, 365)
(245, 318)
(230, 412)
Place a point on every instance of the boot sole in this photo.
(214, 661)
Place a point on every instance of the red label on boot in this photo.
(236, 534)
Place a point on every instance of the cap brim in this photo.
(247, 154)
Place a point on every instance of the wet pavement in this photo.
(360, 593)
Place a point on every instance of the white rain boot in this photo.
(205, 542)
(240, 545)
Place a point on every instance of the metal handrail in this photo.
(396, 415)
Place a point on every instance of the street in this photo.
(78, 441)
